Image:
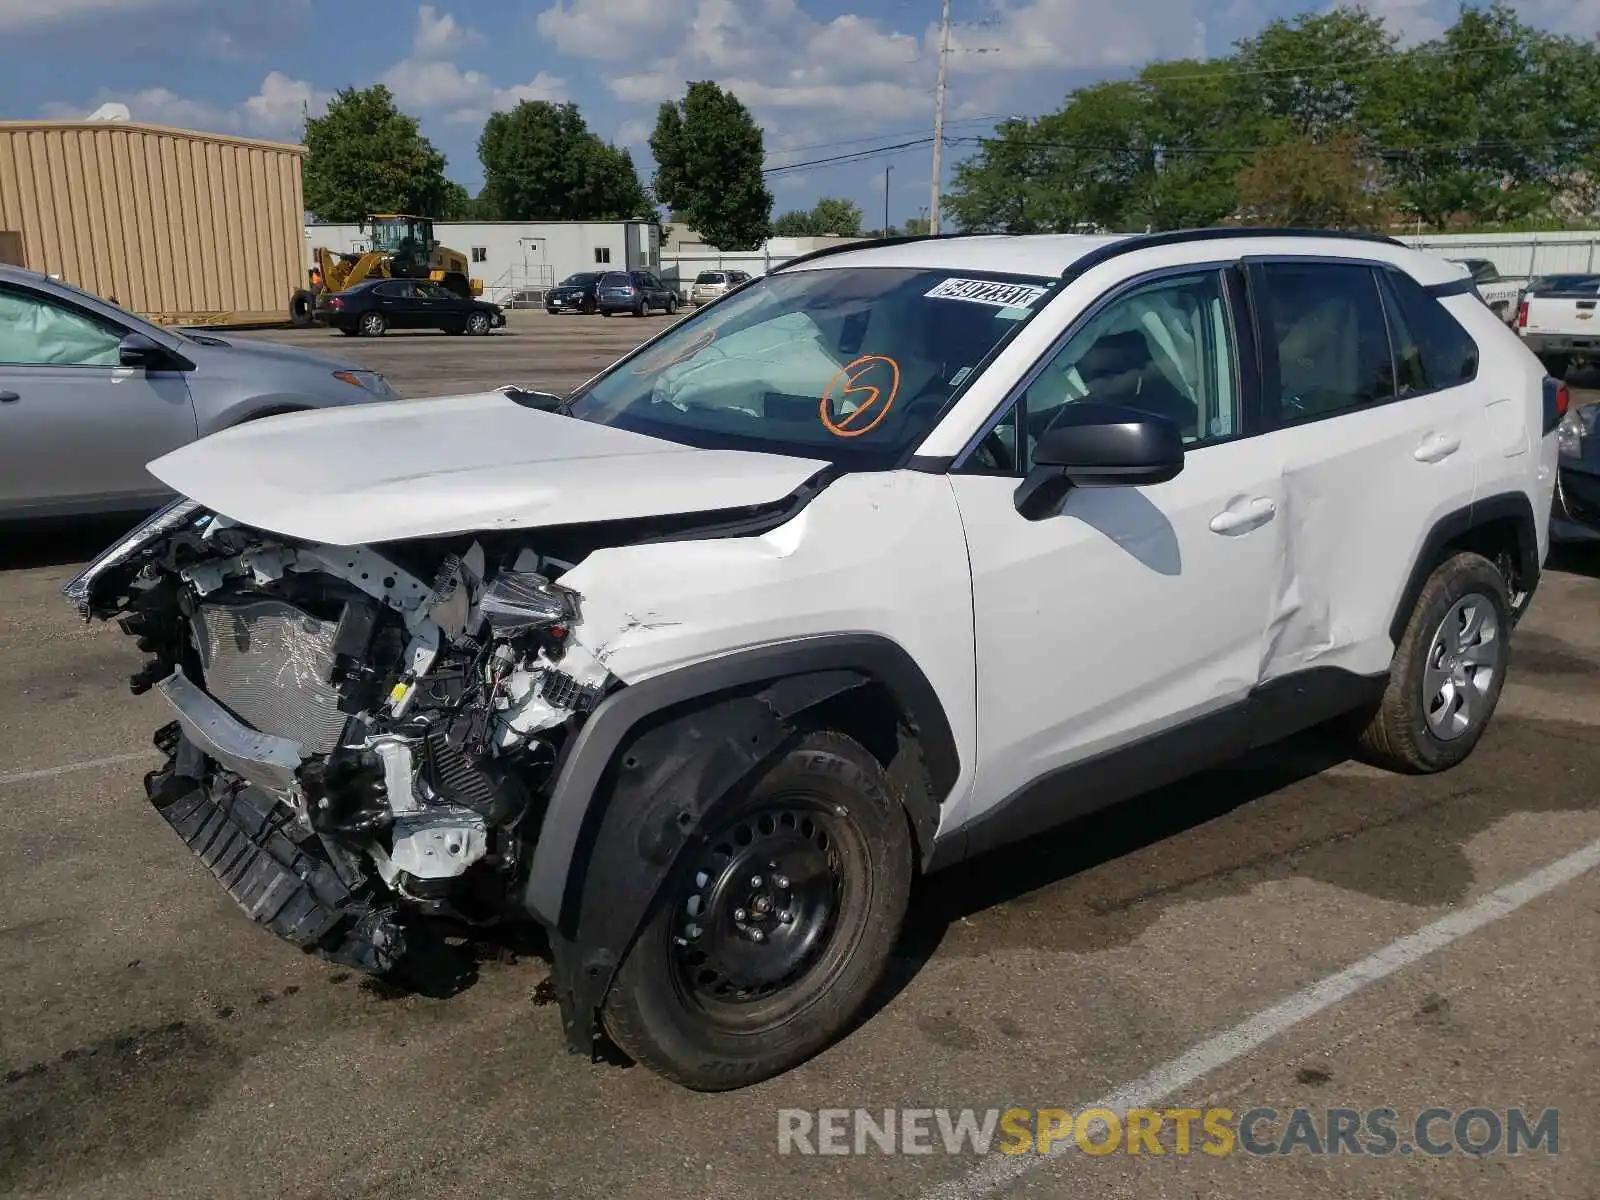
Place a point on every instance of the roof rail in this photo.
(1144, 241)
(868, 243)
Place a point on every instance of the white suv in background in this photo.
(905, 551)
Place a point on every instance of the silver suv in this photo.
(708, 285)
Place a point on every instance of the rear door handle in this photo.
(1436, 448)
(1234, 521)
(9, 397)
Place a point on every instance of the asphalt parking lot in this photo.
(534, 349)
(1182, 951)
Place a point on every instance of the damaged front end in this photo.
(359, 736)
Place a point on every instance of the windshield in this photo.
(581, 279)
(852, 365)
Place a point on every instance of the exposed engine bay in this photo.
(382, 724)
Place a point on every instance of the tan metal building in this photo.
(182, 227)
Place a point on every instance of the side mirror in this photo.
(139, 350)
(1098, 445)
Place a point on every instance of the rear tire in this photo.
(817, 860)
(301, 309)
(1448, 671)
(1557, 365)
(642, 309)
(588, 308)
(373, 324)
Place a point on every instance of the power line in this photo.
(856, 156)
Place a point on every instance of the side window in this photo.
(1449, 355)
(1333, 345)
(36, 332)
(1410, 376)
(1164, 347)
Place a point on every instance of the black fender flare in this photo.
(1514, 506)
(654, 757)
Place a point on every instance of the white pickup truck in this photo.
(1557, 320)
(1496, 290)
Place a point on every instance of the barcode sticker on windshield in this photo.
(986, 291)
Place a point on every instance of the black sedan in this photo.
(1577, 508)
(379, 305)
(580, 293)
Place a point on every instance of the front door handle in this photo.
(1235, 521)
(1436, 448)
(9, 397)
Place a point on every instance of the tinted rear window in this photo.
(709, 277)
(615, 279)
(1448, 354)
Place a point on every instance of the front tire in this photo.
(778, 924)
(478, 324)
(373, 325)
(1448, 671)
(672, 306)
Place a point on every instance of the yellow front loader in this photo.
(403, 247)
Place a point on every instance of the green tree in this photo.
(1316, 74)
(365, 156)
(917, 226)
(1477, 119)
(1305, 183)
(794, 224)
(1162, 151)
(541, 163)
(830, 216)
(709, 151)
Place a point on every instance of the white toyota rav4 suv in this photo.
(896, 555)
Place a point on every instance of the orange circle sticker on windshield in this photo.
(652, 362)
(872, 381)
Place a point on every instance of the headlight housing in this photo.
(1570, 434)
(81, 591)
(368, 381)
(519, 601)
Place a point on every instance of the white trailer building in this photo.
(519, 260)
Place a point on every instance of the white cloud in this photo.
(282, 104)
(275, 111)
(614, 30)
(430, 79)
(440, 35)
(635, 134)
(810, 78)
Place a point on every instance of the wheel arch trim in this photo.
(548, 896)
(1513, 506)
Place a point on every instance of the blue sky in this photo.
(825, 77)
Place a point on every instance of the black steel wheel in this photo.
(777, 924)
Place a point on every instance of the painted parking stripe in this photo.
(1248, 1035)
(88, 764)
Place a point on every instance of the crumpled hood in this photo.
(384, 472)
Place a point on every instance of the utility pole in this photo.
(938, 117)
(886, 171)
